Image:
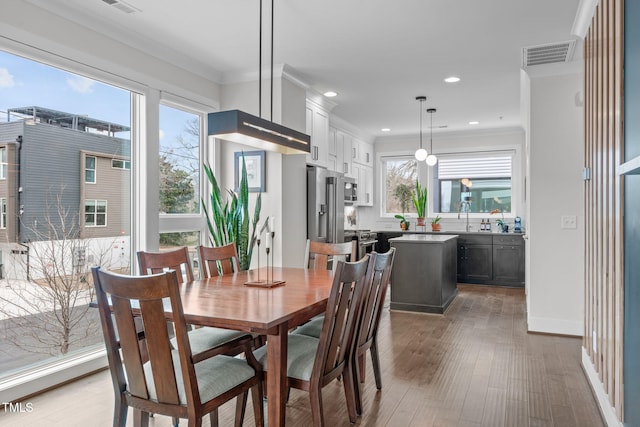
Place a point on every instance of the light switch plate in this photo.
(569, 221)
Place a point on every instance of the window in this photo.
(400, 174)
(180, 137)
(90, 169)
(483, 180)
(3, 162)
(95, 213)
(3, 213)
(120, 164)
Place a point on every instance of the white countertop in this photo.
(424, 238)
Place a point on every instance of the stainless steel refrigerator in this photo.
(325, 204)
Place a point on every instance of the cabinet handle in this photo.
(315, 152)
(346, 167)
(367, 198)
(367, 157)
(353, 153)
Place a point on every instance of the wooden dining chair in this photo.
(174, 382)
(313, 363)
(204, 339)
(322, 256)
(378, 278)
(218, 260)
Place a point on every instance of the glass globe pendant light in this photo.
(421, 153)
(431, 158)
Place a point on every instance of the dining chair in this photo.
(378, 278)
(173, 382)
(312, 363)
(203, 339)
(321, 255)
(218, 260)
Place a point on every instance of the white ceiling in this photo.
(377, 54)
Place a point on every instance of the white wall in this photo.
(556, 258)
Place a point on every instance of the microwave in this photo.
(350, 191)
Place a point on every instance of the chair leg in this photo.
(213, 418)
(349, 392)
(258, 405)
(241, 404)
(120, 414)
(357, 388)
(175, 421)
(140, 418)
(362, 365)
(375, 361)
(315, 399)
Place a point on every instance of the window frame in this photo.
(517, 175)
(381, 163)
(3, 162)
(3, 212)
(126, 164)
(94, 169)
(96, 213)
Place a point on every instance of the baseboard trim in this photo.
(555, 326)
(606, 410)
(51, 375)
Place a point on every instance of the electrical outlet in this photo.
(569, 221)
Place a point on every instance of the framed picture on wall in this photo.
(255, 162)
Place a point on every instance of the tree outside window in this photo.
(400, 174)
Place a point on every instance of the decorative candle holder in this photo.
(270, 282)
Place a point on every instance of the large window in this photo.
(400, 174)
(179, 161)
(479, 182)
(46, 289)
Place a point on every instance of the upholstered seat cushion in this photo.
(215, 376)
(301, 353)
(312, 328)
(202, 339)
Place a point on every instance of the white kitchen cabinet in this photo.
(364, 179)
(362, 152)
(318, 129)
(347, 154)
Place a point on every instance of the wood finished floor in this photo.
(474, 366)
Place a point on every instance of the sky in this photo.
(27, 83)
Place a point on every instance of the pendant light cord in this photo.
(421, 101)
(260, 63)
(272, 13)
(431, 138)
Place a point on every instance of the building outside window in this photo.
(95, 213)
(482, 179)
(120, 164)
(90, 170)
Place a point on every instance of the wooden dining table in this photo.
(226, 302)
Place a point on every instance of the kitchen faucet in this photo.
(466, 206)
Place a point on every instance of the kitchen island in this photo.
(424, 272)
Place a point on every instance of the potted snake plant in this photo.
(419, 197)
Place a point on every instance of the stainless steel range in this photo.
(366, 240)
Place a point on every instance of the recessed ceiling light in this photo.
(385, 130)
(452, 79)
(330, 94)
(474, 123)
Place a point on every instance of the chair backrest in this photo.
(131, 297)
(157, 262)
(337, 338)
(377, 281)
(318, 254)
(219, 260)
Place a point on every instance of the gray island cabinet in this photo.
(424, 272)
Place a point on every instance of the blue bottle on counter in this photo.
(517, 225)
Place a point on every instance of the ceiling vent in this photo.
(548, 53)
(121, 6)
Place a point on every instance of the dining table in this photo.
(227, 302)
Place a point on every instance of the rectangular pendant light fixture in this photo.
(244, 128)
